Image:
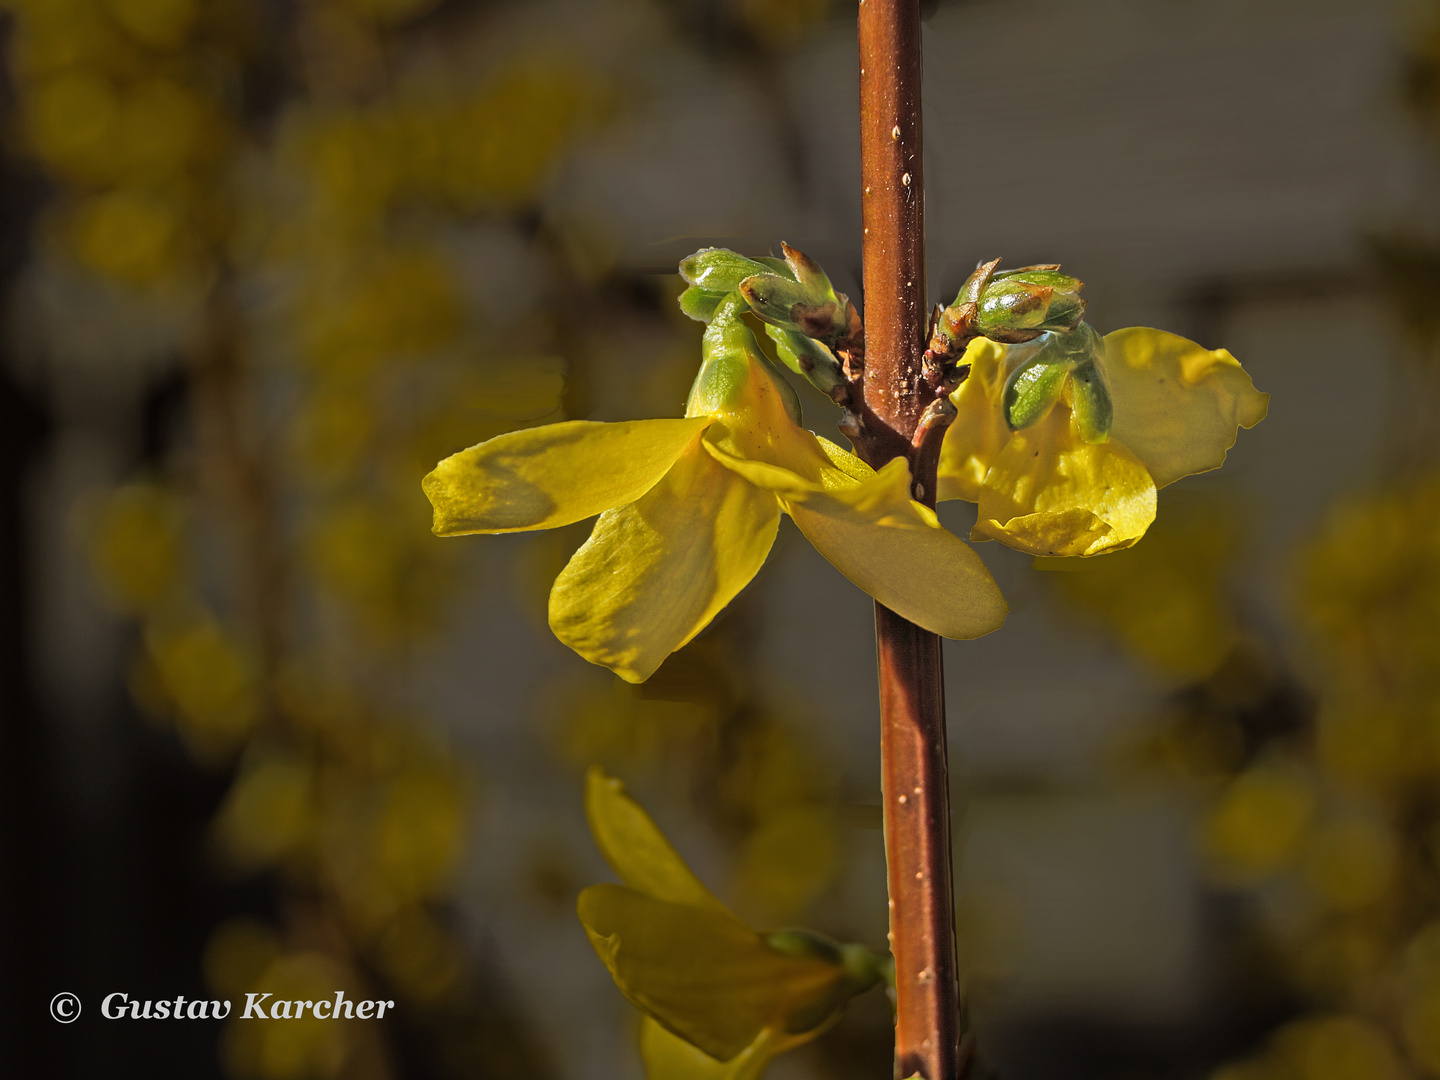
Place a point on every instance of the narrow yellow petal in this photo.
(894, 549)
(701, 973)
(540, 478)
(1177, 406)
(636, 848)
(1050, 492)
(655, 572)
(979, 432)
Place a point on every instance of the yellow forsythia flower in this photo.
(689, 509)
(1046, 490)
(714, 991)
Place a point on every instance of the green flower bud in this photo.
(719, 269)
(808, 357)
(700, 304)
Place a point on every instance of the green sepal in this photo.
(1032, 389)
(729, 354)
(719, 269)
(808, 357)
(1090, 402)
(700, 304)
(862, 969)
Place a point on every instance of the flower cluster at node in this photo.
(1060, 435)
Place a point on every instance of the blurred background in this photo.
(266, 261)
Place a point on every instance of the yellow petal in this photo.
(889, 545)
(1177, 406)
(654, 573)
(702, 973)
(1050, 492)
(635, 847)
(669, 1057)
(979, 432)
(544, 477)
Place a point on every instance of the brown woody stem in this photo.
(912, 693)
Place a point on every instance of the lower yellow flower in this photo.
(689, 509)
(1046, 490)
(721, 1000)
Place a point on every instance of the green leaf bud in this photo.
(1017, 305)
(791, 305)
(778, 266)
(700, 304)
(808, 357)
(808, 273)
(975, 284)
(1090, 402)
(719, 269)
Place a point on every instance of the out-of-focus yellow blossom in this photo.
(238, 953)
(700, 974)
(270, 810)
(137, 544)
(73, 123)
(303, 1048)
(131, 236)
(388, 12)
(1165, 598)
(1422, 997)
(1260, 820)
(1351, 861)
(1337, 1048)
(208, 675)
(161, 24)
(400, 305)
(1046, 490)
(689, 509)
(778, 23)
(422, 958)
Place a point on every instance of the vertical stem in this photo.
(912, 691)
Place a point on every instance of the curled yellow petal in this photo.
(979, 432)
(1050, 492)
(655, 572)
(544, 477)
(1178, 407)
(701, 973)
(889, 545)
(636, 848)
